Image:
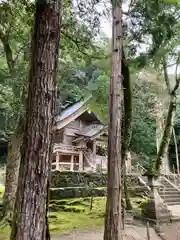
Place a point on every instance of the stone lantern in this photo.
(155, 209)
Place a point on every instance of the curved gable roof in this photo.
(71, 113)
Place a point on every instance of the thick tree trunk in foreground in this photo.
(113, 223)
(30, 220)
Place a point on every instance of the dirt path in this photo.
(171, 231)
(132, 232)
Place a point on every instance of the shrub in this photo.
(143, 203)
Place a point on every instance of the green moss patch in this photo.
(68, 214)
(1, 191)
(75, 213)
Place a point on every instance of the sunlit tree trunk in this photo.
(113, 223)
(30, 212)
(162, 162)
(12, 170)
(160, 126)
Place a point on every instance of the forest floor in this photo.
(131, 232)
(72, 219)
(75, 216)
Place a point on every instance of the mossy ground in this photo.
(69, 214)
(1, 192)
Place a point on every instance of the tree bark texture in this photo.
(176, 149)
(126, 124)
(30, 220)
(12, 170)
(113, 222)
(12, 167)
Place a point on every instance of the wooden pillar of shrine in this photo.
(94, 147)
(72, 163)
(57, 160)
(81, 161)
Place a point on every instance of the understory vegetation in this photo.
(76, 214)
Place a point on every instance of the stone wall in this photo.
(76, 179)
(76, 192)
(75, 184)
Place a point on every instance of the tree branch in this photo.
(78, 43)
(166, 78)
(20, 50)
(176, 76)
(8, 51)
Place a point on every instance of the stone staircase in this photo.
(169, 192)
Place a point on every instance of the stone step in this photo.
(172, 200)
(167, 197)
(173, 203)
(168, 190)
(167, 186)
(169, 193)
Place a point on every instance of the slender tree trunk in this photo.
(159, 124)
(113, 222)
(13, 158)
(162, 159)
(15, 142)
(127, 125)
(12, 169)
(128, 205)
(176, 150)
(30, 219)
(160, 127)
(164, 144)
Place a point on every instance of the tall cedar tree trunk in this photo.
(126, 125)
(30, 219)
(113, 223)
